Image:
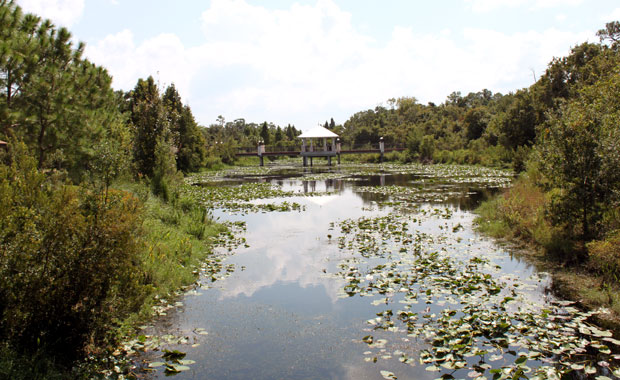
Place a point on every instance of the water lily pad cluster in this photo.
(469, 323)
(242, 198)
(174, 362)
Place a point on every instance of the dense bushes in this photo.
(68, 260)
(78, 265)
(605, 257)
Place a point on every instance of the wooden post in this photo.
(338, 149)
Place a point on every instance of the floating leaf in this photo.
(388, 375)
(173, 355)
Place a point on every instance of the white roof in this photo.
(317, 132)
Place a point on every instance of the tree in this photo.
(18, 57)
(278, 135)
(332, 124)
(192, 149)
(611, 33)
(58, 103)
(150, 124)
(475, 123)
(264, 133)
(579, 146)
(427, 148)
(290, 132)
(187, 140)
(517, 126)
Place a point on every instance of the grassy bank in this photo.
(585, 272)
(176, 238)
(95, 265)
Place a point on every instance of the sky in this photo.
(303, 62)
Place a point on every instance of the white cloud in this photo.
(482, 6)
(490, 5)
(164, 57)
(61, 12)
(614, 16)
(542, 4)
(308, 63)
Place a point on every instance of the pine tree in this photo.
(150, 124)
(264, 133)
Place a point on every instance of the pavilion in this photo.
(308, 149)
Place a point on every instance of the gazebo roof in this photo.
(317, 132)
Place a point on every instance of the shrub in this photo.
(604, 257)
(67, 262)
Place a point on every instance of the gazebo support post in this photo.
(261, 150)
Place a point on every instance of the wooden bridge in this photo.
(308, 153)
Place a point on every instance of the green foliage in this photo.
(579, 148)
(164, 177)
(67, 254)
(264, 134)
(475, 123)
(427, 147)
(520, 212)
(189, 142)
(520, 158)
(54, 100)
(175, 241)
(604, 257)
(148, 117)
(517, 126)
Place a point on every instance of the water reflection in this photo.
(282, 315)
(292, 247)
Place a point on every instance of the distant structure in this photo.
(329, 150)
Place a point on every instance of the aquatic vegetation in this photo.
(470, 323)
(437, 298)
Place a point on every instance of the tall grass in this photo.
(176, 238)
(520, 213)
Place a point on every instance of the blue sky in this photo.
(305, 61)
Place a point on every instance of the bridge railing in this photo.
(296, 147)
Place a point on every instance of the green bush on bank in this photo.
(68, 260)
(521, 213)
(81, 265)
(175, 240)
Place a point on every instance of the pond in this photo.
(368, 272)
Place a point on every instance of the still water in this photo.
(302, 297)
